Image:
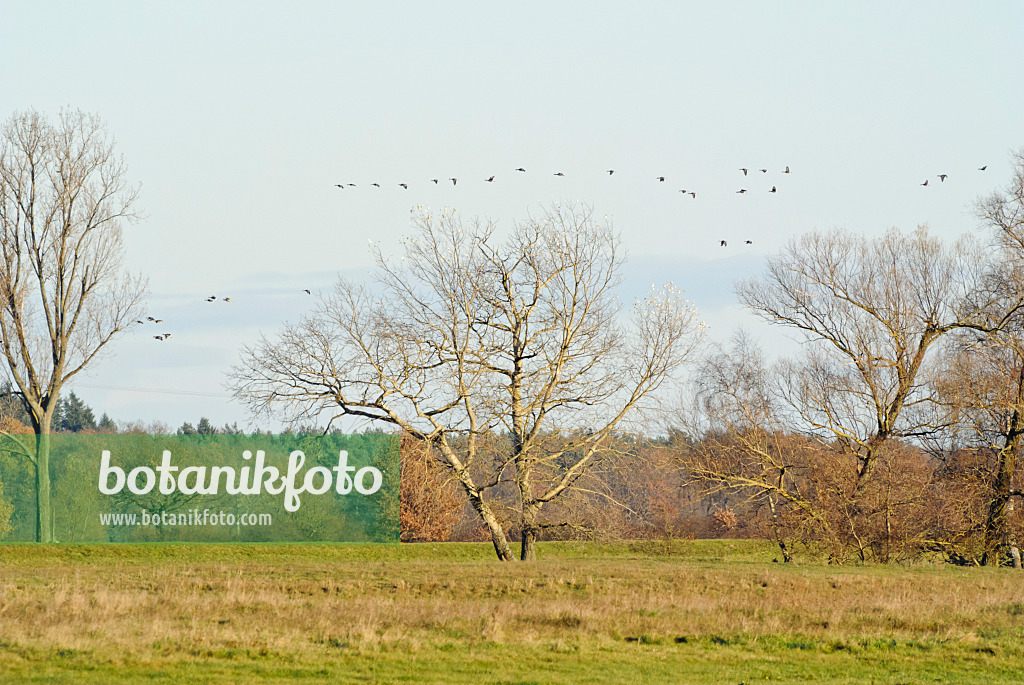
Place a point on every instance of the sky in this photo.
(238, 118)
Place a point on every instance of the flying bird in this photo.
(227, 299)
(943, 177)
(982, 168)
(744, 171)
(158, 320)
(375, 184)
(925, 182)
(339, 185)
(351, 185)
(454, 180)
(521, 169)
(722, 243)
(764, 171)
(693, 195)
(434, 180)
(137, 321)
(404, 185)
(211, 299)
(741, 190)
(786, 171)
(150, 318)
(611, 171)
(166, 336)
(683, 192)
(307, 292)
(661, 178)
(773, 190)
(490, 180)
(559, 173)
(748, 242)
(158, 337)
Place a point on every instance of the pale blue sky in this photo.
(239, 118)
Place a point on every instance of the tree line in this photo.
(527, 395)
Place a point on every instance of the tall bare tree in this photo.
(64, 295)
(509, 357)
(870, 310)
(982, 379)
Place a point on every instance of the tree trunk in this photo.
(44, 511)
(995, 523)
(528, 552)
(1006, 466)
(498, 538)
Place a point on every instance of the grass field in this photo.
(692, 612)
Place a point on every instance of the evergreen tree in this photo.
(74, 415)
(187, 429)
(205, 427)
(106, 424)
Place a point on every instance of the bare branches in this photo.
(64, 199)
(468, 340)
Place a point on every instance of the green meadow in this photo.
(689, 612)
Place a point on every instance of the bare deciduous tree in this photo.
(870, 310)
(981, 382)
(64, 296)
(509, 357)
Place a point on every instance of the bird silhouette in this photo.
(404, 185)
(722, 243)
(351, 185)
(611, 171)
(982, 168)
(307, 291)
(925, 182)
(166, 336)
(137, 321)
(211, 299)
(227, 299)
(748, 242)
(559, 173)
(339, 185)
(158, 320)
(490, 180)
(150, 318)
(521, 169)
(744, 171)
(943, 177)
(741, 190)
(683, 192)
(661, 179)
(158, 337)
(786, 171)
(764, 171)
(454, 180)
(693, 195)
(773, 190)
(375, 184)
(434, 180)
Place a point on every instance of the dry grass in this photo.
(301, 611)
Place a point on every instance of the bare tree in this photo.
(870, 310)
(980, 386)
(64, 296)
(742, 445)
(981, 382)
(509, 357)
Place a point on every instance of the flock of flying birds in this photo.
(610, 172)
(212, 298)
(661, 179)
